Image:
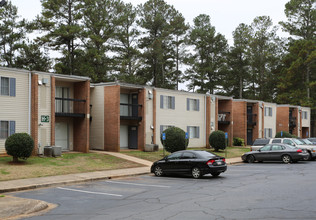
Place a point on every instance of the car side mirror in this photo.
(259, 150)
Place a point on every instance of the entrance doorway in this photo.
(62, 135)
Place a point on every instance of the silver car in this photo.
(276, 152)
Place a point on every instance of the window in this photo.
(193, 131)
(265, 148)
(277, 147)
(304, 115)
(7, 86)
(193, 104)
(167, 102)
(268, 132)
(188, 155)
(164, 127)
(267, 111)
(175, 156)
(289, 142)
(62, 105)
(276, 141)
(7, 128)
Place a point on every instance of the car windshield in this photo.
(297, 141)
(205, 154)
(307, 141)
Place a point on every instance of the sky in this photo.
(225, 15)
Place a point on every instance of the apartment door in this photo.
(133, 137)
(62, 135)
(249, 136)
(123, 136)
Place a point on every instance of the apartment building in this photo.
(248, 119)
(293, 119)
(126, 116)
(54, 109)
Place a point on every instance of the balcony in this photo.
(224, 118)
(65, 107)
(130, 112)
(292, 122)
(251, 119)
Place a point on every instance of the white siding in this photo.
(44, 108)
(16, 108)
(180, 117)
(213, 114)
(306, 122)
(270, 121)
(97, 113)
(149, 116)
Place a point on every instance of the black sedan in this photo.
(276, 152)
(194, 162)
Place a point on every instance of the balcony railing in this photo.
(130, 111)
(224, 117)
(292, 121)
(65, 107)
(251, 119)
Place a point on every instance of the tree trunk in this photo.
(15, 159)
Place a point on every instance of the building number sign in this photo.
(44, 118)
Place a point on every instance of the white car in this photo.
(311, 149)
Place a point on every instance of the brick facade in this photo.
(240, 120)
(226, 106)
(142, 125)
(282, 119)
(34, 112)
(81, 125)
(112, 118)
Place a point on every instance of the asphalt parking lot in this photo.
(245, 191)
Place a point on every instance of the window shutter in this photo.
(270, 132)
(173, 105)
(270, 111)
(198, 105)
(161, 129)
(188, 104)
(12, 86)
(161, 101)
(198, 132)
(12, 128)
(188, 130)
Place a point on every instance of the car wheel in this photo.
(286, 158)
(215, 174)
(196, 172)
(158, 171)
(250, 159)
(310, 157)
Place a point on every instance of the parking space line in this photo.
(82, 191)
(137, 184)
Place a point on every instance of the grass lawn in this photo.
(231, 152)
(67, 164)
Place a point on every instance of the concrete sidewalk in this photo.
(13, 208)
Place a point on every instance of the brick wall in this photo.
(81, 125)
(282, 119)
(141, 127)
(34, 112)
(208, 121)
(240, 119)
(112, 118)
(255, 131)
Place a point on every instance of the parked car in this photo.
(306, 141)
(311, 149)
(276, 152)
(313, 140)
(194, 162)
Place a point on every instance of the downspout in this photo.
(30, 97)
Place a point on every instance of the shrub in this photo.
(175, 139)
(284, 135)
(19, 145)
(217, 140)
(238, 141)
